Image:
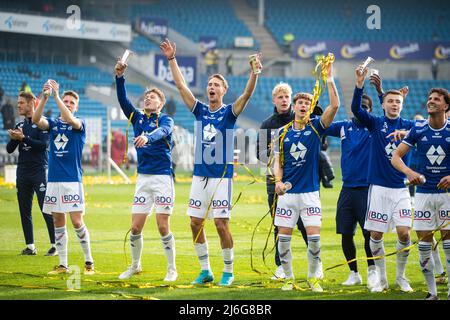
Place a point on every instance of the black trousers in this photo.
(27, 184)
(300, 226)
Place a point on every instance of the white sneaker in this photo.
(279, 274)
(130, 272)
(380, 286)
(372, 277)
(171, 275)
(403, 284)
(354, 278)
(314, 285)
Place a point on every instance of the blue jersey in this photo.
(214, 140)
(433, 154)
(301, 151)
(66, 148)
(354, 154)
(381, 172)
(154, 157)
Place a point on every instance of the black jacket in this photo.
(33, 150)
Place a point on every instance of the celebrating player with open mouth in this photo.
(213, 171)
(296, 165)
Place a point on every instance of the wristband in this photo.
(171, 58)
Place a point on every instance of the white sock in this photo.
(85, 243)
(168, 243)
(427, 266)
(284, 248)
(31, 246)
(202, 253)
(437, 259)
(136, 244)
(228, 259)
(313, 254)
(377, 248)
(446, 245)
(61, 245)
(402, 257)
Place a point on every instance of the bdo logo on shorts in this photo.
(163, 201)
(405, 213)
(196, 204)
(444, 214)
(313, 211)
(220, 204)
(50, 200)
(284, 213)
(422, 215)
(71, 198)
(139, 201)
(377, 216)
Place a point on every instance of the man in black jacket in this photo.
(31, 173)
(283, 114)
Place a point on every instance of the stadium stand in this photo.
(346, 20)
(215, 18)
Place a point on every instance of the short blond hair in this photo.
(281, 87)
(393, 92)
(303, 95)
(28, 96)
(71, 93)
(221, 78)
(158, 92)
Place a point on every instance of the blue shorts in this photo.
(351, 208)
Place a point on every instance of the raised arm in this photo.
(169, 49)
(330, 112)
(37, 118)
(125, 104)
(66, 114)
(358, 111)
(240, 104)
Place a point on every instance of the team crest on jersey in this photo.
(298, 150)
(61, 141)
(436, 155)
(390, 148)
(307, 133)
(209, 132)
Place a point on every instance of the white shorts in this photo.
(291, 206)
(388, 208)
(153, 191)
(63, 197)
(431, 211)
(203, 191)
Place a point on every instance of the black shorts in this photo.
(351, 209)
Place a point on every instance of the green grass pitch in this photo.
(108, 219)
